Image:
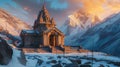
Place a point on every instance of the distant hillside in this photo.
(11, 24)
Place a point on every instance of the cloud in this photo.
(100, 8)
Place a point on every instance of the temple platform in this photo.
(56, 50)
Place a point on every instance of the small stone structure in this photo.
(44, 33)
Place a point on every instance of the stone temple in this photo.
(44, 32)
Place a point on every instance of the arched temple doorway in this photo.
(53, 39)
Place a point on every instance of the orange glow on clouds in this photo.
(100, 8)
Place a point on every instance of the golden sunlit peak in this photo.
(101, 8)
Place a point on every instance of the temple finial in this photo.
(44, 5)
(44, 2)
(43, 14)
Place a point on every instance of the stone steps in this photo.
(56, 51)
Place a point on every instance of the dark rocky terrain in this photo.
(5, 52)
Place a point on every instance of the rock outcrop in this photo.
(5, 52)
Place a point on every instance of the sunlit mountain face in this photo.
(96, 10)
(88, 14)
(101, 8)
(81, 19)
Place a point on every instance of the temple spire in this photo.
(43, 15)
(44, 5)
(44, 2)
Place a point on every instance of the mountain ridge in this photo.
(11, 24)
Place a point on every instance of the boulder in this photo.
(57, 65)
(39, 62)
(88, 63)
(5, 52)
(101, 65)
(85, 65)
(115, 63)
(71, 65)
(75, 61)
(52, 61)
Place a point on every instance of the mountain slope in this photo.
(11, 24)
(102, 37)
(77, 24)
(79, 20)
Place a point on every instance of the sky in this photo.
(27, 10)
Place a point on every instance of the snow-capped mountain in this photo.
(79, 21)
(11, 24)
(77, 24)
(102, 37)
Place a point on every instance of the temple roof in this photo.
(44, 18)
(54, 29)
(30, 32)
(35, 32)
(44, 15)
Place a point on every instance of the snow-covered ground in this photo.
(64, 60)
(49, 60)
